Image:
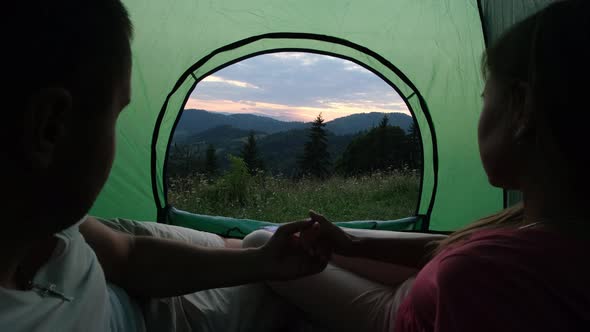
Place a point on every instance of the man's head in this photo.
(67, 70)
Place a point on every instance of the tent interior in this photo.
(428, 51)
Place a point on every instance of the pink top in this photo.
(502, 280)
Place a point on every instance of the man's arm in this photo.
(154, 267)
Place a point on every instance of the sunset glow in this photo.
(295, 87)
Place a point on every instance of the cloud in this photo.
(304, 59)
(354, 67)
(218, 79)
(295, 85)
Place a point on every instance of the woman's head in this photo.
(535, 108)
(532, 130)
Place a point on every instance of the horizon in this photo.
(295, 86)
(282, 120)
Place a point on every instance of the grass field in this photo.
(380, 196)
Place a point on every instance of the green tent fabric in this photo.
(429, 51)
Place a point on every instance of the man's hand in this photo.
(291, 255)
(331, 236)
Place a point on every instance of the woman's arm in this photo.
(410, 252)
(407, 249)
(154, 267)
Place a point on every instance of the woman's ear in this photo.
(48, 111)
(522, 108)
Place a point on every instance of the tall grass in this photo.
(379, 196)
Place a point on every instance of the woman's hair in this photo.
(549, 51)
(511, 217)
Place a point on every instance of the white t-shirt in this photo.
(70, 293)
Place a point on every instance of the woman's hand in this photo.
(290, 255)
(331, 236)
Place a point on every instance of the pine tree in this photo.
(414, 147)
(316, 159)
(382, 145)
(211, 161)
(384, 122)
(251, 156)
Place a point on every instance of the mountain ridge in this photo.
(195, 121)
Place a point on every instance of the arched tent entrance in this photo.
(428, 50)
(282, 42)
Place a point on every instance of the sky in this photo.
(294, 86)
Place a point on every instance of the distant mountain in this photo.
(221, 135)
(195, 121)
(279, 151)
(226, 140)
(354, 123)
(280, 143)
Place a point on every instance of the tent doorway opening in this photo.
(274, 135)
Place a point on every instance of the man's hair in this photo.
(49, 43)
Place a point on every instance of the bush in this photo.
(233, 186)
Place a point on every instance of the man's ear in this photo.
(49, 111)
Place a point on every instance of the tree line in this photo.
(384, 147)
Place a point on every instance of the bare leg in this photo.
(384, 273)
(339, 299)
(232, 243)
(221, 309)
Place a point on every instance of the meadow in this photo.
(378, 196)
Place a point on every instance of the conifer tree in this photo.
(251, 156)
(316, 159)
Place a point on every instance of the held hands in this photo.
(303, 248)
(331, 237)
(294, 251)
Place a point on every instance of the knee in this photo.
(256, 239)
